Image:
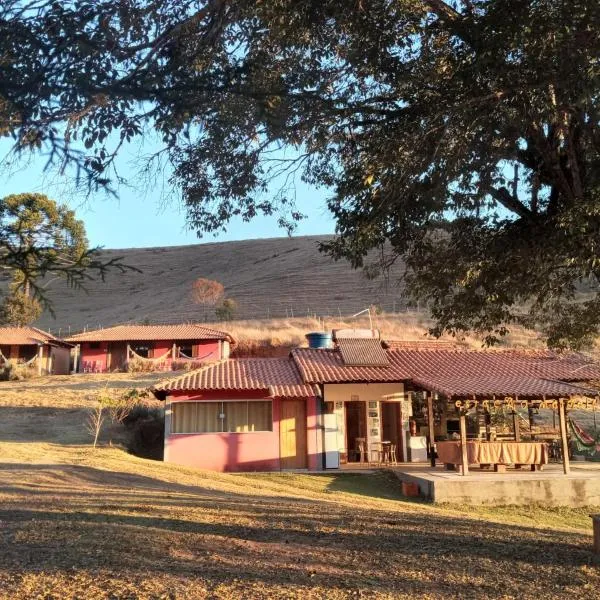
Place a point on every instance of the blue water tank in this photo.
(319, 339)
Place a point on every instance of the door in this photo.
(391, 426)
(292, 434)
(356, 426)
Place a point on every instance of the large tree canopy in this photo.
(461, 136)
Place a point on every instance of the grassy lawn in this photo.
(79, 523)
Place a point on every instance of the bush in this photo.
(227, 310)
(186, 365)
(146, 425)
(14, 372)
(141, 366)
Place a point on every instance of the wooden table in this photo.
(496, 453)
(382, 449)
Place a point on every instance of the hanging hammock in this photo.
(3, 359)
(152, 360)
(180, 354)
(582, 437)
(584, 442)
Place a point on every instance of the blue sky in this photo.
(139, 217)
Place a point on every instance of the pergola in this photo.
(487, 391)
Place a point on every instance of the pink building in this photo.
(247, 414)
(160, 346)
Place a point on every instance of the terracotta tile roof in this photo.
(420, 345)
(279, 377)
(327, 366)
(25, 336)
(499, 385)
(362, 353)
(454, 373)
(150, 332)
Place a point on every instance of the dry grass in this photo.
(267, 278)
(271, 337)
(78, 523)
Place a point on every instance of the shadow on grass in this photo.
(188, 531)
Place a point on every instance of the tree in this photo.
(461, 136)
(40, 241)
(18, 309)
(227, 310)
(206, 292)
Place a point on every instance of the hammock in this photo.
(180, 354)
(152, 360)
(584, 442)
(7, 361)
(583, 438)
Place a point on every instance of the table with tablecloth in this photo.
(494, 453)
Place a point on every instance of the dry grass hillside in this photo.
(272, 337)
(82, 523)
(276, 277)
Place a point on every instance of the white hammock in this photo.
(29, 362)
(152, 360)
(180, 354)
(6, 361)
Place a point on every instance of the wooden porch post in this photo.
(562, 423)
(431, 426)
(174, 352)
(463, 444)
(40, 359)
(516, 428)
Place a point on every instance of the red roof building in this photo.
(114, 348)
(320, 406)
(45, 353)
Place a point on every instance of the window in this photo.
(143, 350)
(187, 350)
(217, 417)
(94, 345)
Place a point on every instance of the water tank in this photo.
(319, 339)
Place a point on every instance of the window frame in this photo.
(222, 403)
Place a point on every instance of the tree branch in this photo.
(504, 197)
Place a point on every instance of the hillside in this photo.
(276, 277)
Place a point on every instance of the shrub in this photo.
(14, 372)
(186, 365)
(136, 365)
(146, 426)
(227, 310)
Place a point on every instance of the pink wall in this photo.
(227, 451)
(237, 451)
(161, 347)
(97, 355)
(210, 348)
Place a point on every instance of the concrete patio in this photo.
(550, 487)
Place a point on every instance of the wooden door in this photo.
(391, 426)
(356, 426)
(292, 434)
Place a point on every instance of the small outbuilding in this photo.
(38, 349)
(157, 346)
